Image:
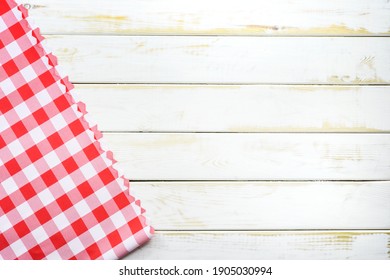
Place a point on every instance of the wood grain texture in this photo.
(229, 219)
(248, 156)
(232, 60)
(265, 205)
(290, 245)
(222, 108)
(217, 17)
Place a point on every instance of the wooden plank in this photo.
(218, 17)
(223, 108)
(329, 245)
(194, 59)
(265, 205)
(252, 156)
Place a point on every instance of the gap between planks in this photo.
(216, 36)
(226, 84)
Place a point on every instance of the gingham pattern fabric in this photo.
(60, 196)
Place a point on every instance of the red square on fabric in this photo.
(47, 79)
(43, 215)
(7, 204)
(79, 227)
(93, 251)
(70, 165)
(5, 105)
(4, 8)
(13, 166)
(55, 140)
(19, 129)
(100, 213)
(49, 178)
(64, 202)
(114, 238)
(21, 229)
(2, 142)
(32, 55)
(121, 200)
(25, 92)
(106, 176)
(28, 191)
(76, 127)
(91, 152)
(34, 153)
(58, 240)
(135, 225)
(85, 189)
(36, 253)
(17, 30)
(3, 242)
(62, 103)
(40, 116)
(10, 68)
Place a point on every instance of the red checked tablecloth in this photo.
(60, 196)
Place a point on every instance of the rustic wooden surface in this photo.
(217, 17)
(253, 156)
(224, 60)
(266, 205)
(324, 245)
(249, 129)
(238, 108)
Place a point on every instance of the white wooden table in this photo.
(249, 129)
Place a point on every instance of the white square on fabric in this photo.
(54, 256)
(52, 159)
(67, 184)
(9, 185)
(37, 135)
(82, 208)
(3, 26)
(18, 247)
(130, 243)
(13, 49)
(109, 255)
(15, 148)
(76, 246)
(7, 86)
(97, 232)
(43, 97)
(58, 122)
(118, 220)
(88, 170)
(103, 195)
(22, 110)
(73, 146)
(3, 123)
(30, 172)
(5, 224)
(39, 234)
(46, 197)
(61, 221)
(25, 210)
(28, 73)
